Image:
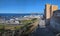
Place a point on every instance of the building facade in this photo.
(55, 21)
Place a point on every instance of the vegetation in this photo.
(26, 21)
(26, 24)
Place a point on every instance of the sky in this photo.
(25, 6)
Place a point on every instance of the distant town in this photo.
(15, 20)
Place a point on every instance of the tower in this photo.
(48, 11)
(53, 8)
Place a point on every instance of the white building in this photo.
(12, 21)
(33, 16)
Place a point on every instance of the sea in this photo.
(17, 14)
(10, 15)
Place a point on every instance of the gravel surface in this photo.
(44, 31)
